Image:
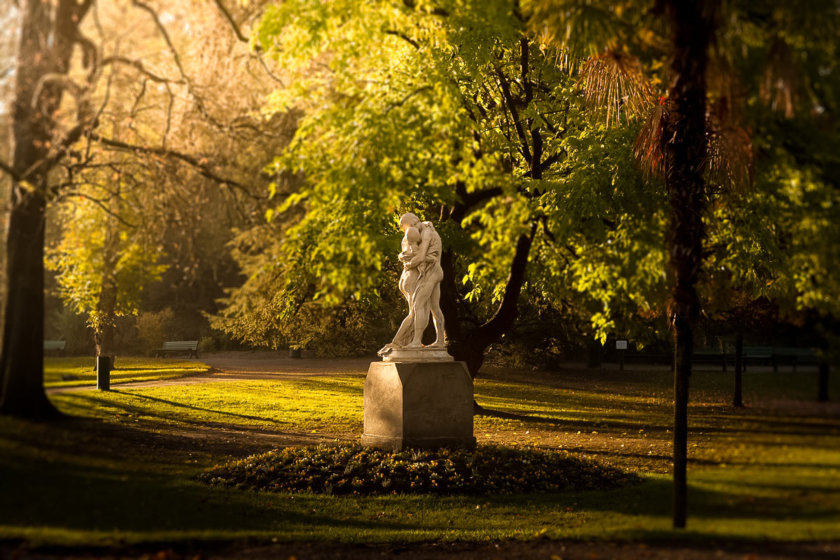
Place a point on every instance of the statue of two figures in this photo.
(420, 284)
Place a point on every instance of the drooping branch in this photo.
(403, 36)
(138, 65)
(186, 158)
(101, 204)
(229, 18)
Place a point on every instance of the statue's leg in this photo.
(437, 315)
(422, 303)
(404, 334)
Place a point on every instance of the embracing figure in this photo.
(419, 283)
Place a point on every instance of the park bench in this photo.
(794, 357)
(757, 354)
(190, 346)
(55, 346)
(710, 356)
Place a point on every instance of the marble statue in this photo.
(420, 284)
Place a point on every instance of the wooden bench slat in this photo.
(180, 345)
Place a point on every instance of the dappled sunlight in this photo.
(79, 371)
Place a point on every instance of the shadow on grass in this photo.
(159, 418)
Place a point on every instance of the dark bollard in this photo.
(103, 373)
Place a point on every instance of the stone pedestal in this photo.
(418, 404)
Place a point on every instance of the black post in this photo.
(103, 373)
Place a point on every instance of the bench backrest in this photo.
(181, 345)
(758, 351)
(54, 344)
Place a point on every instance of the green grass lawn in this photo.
(121, 469)
(79, 371)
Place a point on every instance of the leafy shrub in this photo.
(353, 469)
(152, 329)
(65, 324)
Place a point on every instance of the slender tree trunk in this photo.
(822, 381)
(737, 399)
(107, 305)
(685, 152)
(48, 32)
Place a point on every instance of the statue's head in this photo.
(408, 220)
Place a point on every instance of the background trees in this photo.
(459, 112)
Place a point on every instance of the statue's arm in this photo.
(420, 256)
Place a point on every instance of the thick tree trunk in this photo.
(22, 360)
(685, 152)
(737, 398)
(470, 347)
(48, 33)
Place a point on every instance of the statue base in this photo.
(418, 405)
(420, 354)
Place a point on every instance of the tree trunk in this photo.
(822, 382)
(685, 152)
(470, 347)
(107, 304)
(737, 399)
(22, 360)
(47, 36)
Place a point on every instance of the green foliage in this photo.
(408, 110)
(274, 308)
(484, 471)
(153, 329)
(96, 248)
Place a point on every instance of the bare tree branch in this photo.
(511, 105)
(232, 23)
(138, 65)
(9, 170)
(186, 158)
(101, 204)
(199, 102)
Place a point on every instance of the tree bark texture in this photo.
(685, 153)
(48, 33)
(738, 397)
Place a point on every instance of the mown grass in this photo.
(79, 371)
(123, 469)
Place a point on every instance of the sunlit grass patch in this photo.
(314, 403)
(79, 371)
(104, 476)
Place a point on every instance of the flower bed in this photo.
(353, 469)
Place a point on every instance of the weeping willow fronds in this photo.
(729, 152)
(614, 82)
(579, 28)
(648, 147)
